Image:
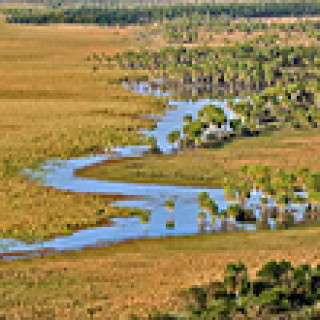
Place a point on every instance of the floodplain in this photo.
(58, 103)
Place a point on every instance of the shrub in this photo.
(280, 291)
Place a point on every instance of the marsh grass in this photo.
(52, 105)
(139, 275)
(287, 150)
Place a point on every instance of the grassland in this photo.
(111, 283)
(283, 149)
(287, 150)
(52, 105)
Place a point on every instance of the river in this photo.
(60, 174)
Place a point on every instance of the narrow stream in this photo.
(59, 174)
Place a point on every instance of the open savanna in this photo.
(52, 105)
(137, 276)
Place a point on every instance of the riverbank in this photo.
(207, 167)
(137, 276)
(53, 106)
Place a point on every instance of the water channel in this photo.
(60, 174)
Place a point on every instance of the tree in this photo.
(174, 136)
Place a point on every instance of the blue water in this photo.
(60, 174)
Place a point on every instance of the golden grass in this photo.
(288, 150)
(140, 275)
(51, 104)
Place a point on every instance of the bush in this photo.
(280, 291)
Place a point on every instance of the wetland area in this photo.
(160, 162)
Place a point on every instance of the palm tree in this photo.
(236, 279)
(224, 222)
(187, 118)
(234, 210)
(174, 136)
(202, 216)
(152, 141)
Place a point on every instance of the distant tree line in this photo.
(141, 15)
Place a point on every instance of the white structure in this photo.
(216, 132)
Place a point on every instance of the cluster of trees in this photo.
(283, 82)
(210, 209)
(196, 28)
(280, 192)
(295, 105)
(147, 14)
(279, 291)
(210, 128)
(277, 195)
(243, 67)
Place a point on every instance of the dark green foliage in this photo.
(127, 16)
(273, 271)
(170, 203)
(282, 81)
(193, 133)
(281, 291)
(236, 279)
(206, 203)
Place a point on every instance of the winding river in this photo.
(60, 174)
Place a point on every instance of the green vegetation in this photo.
(211, 128)
(277, 75)
(237, 69)
(281, 80)
(138, 15)
(280, 291)
(170, 204)
(207, 204)
(282, 187)
(170, 224)
(198, 28)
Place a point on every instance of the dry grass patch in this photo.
(209, 167)
(52, 105)
(142, 274)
